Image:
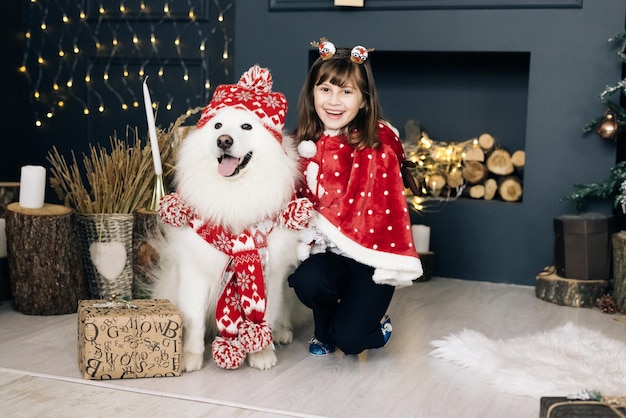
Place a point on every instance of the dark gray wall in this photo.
(570, 64)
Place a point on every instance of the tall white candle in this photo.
(421, 238)
(32, 186)
(154, 143)
(3, 238)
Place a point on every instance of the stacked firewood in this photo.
(477, 168)
(491, 171)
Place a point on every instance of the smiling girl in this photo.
(353, 160)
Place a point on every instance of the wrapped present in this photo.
(563, 407)
(127, 340)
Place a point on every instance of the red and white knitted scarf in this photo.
(240, 310)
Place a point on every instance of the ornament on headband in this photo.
(359, 54)
(327, 49)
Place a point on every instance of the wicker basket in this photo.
(107, 248)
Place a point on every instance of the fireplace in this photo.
(527, 72)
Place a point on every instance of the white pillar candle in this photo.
(32, 186)
(421, 238)
(3, 238)
(154, 143)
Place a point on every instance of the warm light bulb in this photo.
(135, 39)
(36, 95)
(87, 78)
(100, 108)
(22, 69)
(85, 111)
(61, 53)
(177, 41)
(69, 83)
(135, 103)
(60, 103)
(55, 86)
(82, 15)
(38, 123)
(124, 106)
(49, 115)
(43, 26)
(65, 18)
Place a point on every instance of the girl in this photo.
(353, 160)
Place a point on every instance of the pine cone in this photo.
(606, 303)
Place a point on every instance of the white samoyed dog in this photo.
(235, 173)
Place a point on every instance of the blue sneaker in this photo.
(386, 328)
(320, 349)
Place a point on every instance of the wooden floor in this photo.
(39, 374)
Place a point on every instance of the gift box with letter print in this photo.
(129, 339)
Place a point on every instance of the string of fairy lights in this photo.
(96, 53)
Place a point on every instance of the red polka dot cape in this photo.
(361, 204)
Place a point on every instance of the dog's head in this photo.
(236, 168)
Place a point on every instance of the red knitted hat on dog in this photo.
(253, 92)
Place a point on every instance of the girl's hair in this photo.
(340, 71)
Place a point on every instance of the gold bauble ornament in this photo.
(608, 127)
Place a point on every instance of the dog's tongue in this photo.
(227, 166)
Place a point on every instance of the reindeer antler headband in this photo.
(327, 50)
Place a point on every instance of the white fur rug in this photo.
(557, 362)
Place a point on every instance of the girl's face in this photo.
(337, 106)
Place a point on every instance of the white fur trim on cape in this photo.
(392, 269)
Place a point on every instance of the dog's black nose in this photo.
(224, 141)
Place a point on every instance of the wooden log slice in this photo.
(474, 171)
(568, 292)
(476, 191)
(435, 183)
(619, 270)
(44, 257)
(145, 224)
(510, 188)
(518, 158)
(486, 142)
(491, 189)
(499, 162)
(474, 153)
(454, 178)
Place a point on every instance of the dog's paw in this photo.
(264, 359)
(282, 335)
(192, 361)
